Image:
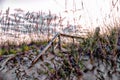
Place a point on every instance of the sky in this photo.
(92, 11)
(54, 5)
(34, 5)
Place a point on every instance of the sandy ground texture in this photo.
(18, 68)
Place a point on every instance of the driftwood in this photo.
(71, 36)
(45, 49)
(9, 57)
(50, 44)
(5, 62)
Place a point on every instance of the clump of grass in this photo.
(12, 51)
(100, 47)
(25, 47)
(68, 64)
(43, 42)
(2, 51)
(11, 48)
